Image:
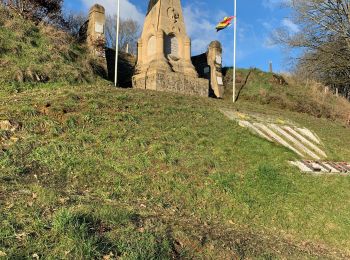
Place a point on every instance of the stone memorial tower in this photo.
(164, 52)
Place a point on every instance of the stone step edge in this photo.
(322, 167)
(269, 132)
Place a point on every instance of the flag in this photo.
(226, 22)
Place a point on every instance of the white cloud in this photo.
(127, 9)
(272, 4)
(269, 43)
(199, 27)
(290, 25)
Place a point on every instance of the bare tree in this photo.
(37, 10)
(324, 39)
(74, 22)
(324, 18)
(128, 34)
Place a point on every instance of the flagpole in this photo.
(117, 47)
(234, 53)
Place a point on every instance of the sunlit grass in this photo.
(100, 171)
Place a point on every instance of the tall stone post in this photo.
(214, 59)
(96, 30)
(160, 45)
(270, 67)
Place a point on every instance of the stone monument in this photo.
(164, 52)
(209, 66)
(214, 57)
(95, 35)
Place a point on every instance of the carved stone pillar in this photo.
(139, 56)
(160, 62)
(139, 51)
(188, 66)
(187, 49)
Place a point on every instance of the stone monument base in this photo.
(171, 82)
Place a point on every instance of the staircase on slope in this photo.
(302, 141)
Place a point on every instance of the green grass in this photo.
(100, 171)
(41, 54)
(97, 172)
(292, 95)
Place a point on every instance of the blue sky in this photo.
(257, 20)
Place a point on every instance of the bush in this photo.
(287, 92)
(43, 10)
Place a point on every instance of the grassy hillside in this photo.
(256, 86)
(88, 171)
(39, 54)
(94, 171)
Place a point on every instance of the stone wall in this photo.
(172, 82)
(126, 67)
(200, 62)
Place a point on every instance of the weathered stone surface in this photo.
(164, 50)
(214, 57)
(95, 37)
(172, 82)
(209, 66)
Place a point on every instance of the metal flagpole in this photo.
(117, 47)
(234, 53)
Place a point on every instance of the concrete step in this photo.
(322, 167)
(297, 144)
(302, 141)
(266, 129)
(288, 137)
(306, 132)
(255, 129)
(305, 141)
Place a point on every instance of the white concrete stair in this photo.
(278, 138)
(301, 141)
(297, 144)
(306, 132)
(306, 141)
(255, 129)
